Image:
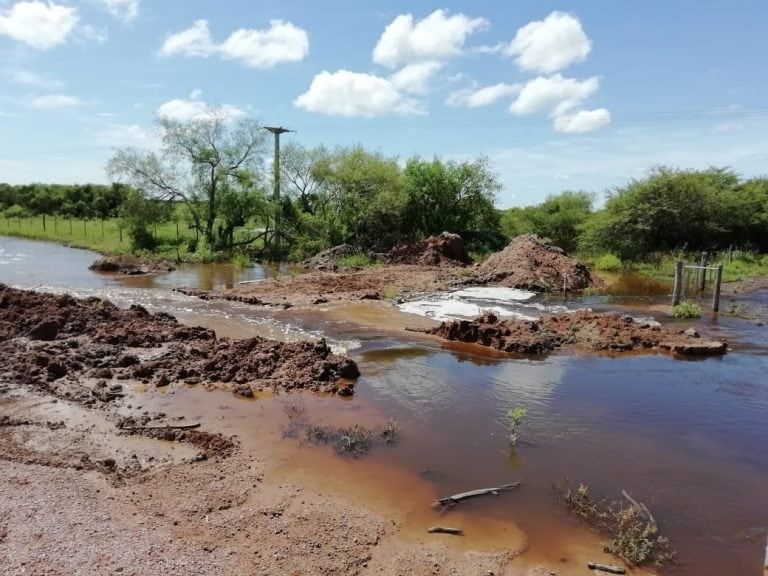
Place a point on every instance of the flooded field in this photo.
(686, 437)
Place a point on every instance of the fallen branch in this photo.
(180, 427)
(606, 568)
(642, 509)
(446, 530)
(456, 498)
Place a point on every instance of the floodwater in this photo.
(689, 438)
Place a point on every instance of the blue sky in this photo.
(567, 95)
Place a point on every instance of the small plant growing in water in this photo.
(686, 309)
(515, 417)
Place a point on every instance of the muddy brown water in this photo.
(687, 437)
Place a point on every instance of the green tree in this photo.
(559, 218)
(450, 196)
(202, 161)
(365, 196)
(671, 209)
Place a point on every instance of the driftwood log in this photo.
(606, 568)
(456, 498)
(179, 427)
(446, 530)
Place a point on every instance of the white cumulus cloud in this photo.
(194, 110)
(415, 78)
(439, 36)
(553, 95)
(41, 25)
(476, 98)
(549, 45)
(583, 121)
(125, 10)
(345, 93)
(194, 41)
(55, 101)
(281, 42)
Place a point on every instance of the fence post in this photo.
(677, 290)
(730, 253)
(43, 221)
(702, 272)
(716, 293)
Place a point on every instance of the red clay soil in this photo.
(372, 283)
(577, 330)
(529, 263)
(128, 265)
(445, 249)
(53, 342)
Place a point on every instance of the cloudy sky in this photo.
(569, 95)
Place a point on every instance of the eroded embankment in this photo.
(582, 330)
(61, 344)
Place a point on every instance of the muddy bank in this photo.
(128, 265)
(528, 263)
(583, 330)
(386, 282)
(81, 349)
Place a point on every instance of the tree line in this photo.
(667, 210)
(215, 177)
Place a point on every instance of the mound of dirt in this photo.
(445, 249)
(130, 265)
(51, 340)
(583, 330)
(329, 259)
(529, 263)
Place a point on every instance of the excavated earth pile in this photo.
(529, 263)
(80, 348)
(581, 330)
(445, 249)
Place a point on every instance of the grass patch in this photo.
(634, 534)
(686, 309)
(358, 261)
(391, 292)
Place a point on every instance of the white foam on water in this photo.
(497, 293)
(477, 300)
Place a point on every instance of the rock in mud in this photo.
(583, 330)
(445, 249)
(529, 263)
(45, 330)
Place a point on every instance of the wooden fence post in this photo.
(702, 272)
(678, 289)
(716, 293)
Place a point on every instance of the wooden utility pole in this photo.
(277, 130)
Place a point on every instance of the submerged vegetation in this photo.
(355, 440)
(633, 530)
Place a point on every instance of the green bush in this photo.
(608, 263)
(686, 309)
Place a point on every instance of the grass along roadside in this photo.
(106, 236)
